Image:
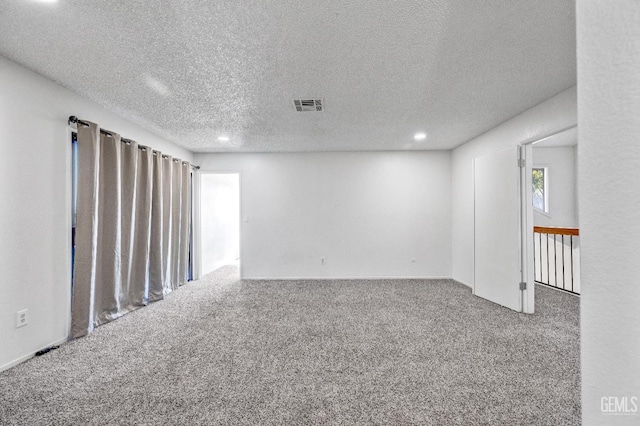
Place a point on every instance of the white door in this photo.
(501, 212)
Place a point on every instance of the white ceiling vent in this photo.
(303, 105)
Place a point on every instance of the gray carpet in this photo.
(223, 351)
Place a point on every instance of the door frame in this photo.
(525, 157)
(526, 202)
(526, 230)
(198, 220)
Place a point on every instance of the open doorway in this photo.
(540, 196)
(556, 230)
(219, 220)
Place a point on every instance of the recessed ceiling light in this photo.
(46, 1)
(223, 138)
(420, 136)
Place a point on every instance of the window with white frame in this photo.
(540, 180)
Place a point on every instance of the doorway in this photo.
(556, 230)
(505, 226)
(219, 220)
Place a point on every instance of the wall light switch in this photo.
(245, 219)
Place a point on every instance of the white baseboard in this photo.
(30, 355)
(341, 278)
(463, 283)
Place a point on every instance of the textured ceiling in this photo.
(194, 70)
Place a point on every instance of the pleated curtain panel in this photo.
(132, 227)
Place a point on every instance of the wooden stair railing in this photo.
(556, 230)
(554, 257)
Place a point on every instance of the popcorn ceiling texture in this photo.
(193, 70)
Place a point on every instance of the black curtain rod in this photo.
(75, 120)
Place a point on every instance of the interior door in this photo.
(498, 239)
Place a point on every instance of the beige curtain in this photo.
(139, 268)
(185, 222)
(157, 263)
(132, 227)
(176, 221)
(167, 222)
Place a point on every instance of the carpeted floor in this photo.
(224, 351)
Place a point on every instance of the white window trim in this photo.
(546, 212)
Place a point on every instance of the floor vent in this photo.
(304, 105)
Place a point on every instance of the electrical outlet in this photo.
(21, 318)
(323, 260)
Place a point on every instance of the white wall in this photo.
(219, 220)
(368, 214)
(561, 174)
(609, 197)
(34, 204)
(552, 115)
